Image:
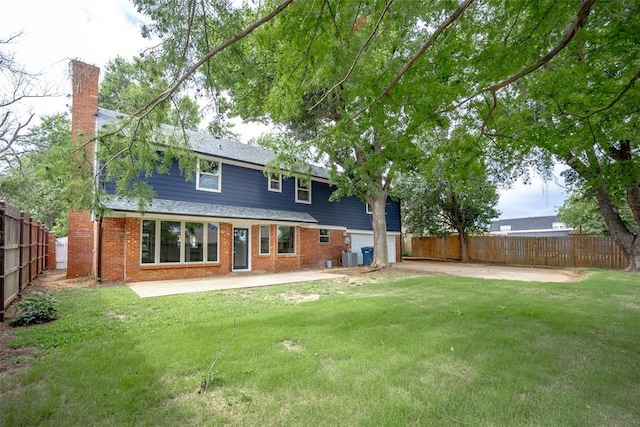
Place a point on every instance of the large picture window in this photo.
(303, 190)
(265, 244)
(208, 178)
(164, 242)
(286, 240)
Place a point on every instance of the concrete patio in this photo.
(160, 288)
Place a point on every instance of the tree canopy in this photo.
(353, 84)
(34, 185)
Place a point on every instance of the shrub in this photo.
(41, 308)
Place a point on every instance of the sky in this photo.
(96, 31)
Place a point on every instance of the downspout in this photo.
(96, 180)
(99, 249)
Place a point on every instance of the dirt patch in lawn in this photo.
(492, 271)
(50, 281)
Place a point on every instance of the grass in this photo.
(430, 350)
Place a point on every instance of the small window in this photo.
(505, 228)
(148, 244)
(324, 236)
(208, 178)
(558, 225)
(265, 244)
(275, 183)
(369, 208)
(212, 241)
(303, 190)
(286, 240)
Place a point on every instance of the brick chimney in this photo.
(84, 110)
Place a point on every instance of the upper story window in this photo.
(369, 208)
(558, 225)
(208, 178)
(505, 228)
(275, 183)
(303, 190)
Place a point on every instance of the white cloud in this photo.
(54, 32)
(539, 198)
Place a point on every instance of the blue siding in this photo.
(248, 187)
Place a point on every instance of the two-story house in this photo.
(231, 218)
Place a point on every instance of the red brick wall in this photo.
(274, 262)
(121, 253)
(80, 249)
(315, 254)
(134, 272)
(112, 249)
(84, 105)
(265, 263)
(51, 251)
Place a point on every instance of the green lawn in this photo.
(431, 350)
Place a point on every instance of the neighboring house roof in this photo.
(160, 206)
(207, 144)
(549, 224)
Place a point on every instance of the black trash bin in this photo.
(367, 255)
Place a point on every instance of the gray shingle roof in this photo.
(207, 144)
(160, 206)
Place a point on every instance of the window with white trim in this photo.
(286, 240)
(275, 183)
(369, 208)
(558, 225)
(323, 235)
(265, 240)
(208, 177)
(303, 190)
(505, 228)
(165, 242)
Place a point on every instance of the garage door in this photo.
(358, 240)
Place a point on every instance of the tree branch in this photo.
(583, 13)
(441, 28)
(147, 108)
(358, 54)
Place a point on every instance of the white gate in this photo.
(61, 253)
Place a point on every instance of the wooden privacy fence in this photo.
(23, 253)
(566, 251)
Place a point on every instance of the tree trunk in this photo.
(378, 203)
(464, 247)
(626, 240)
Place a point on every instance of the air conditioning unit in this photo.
(349, 259)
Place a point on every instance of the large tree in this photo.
(581, 212)
(449, 190)
(352, 83)
(39, 182)
(582, 109)
(17, 85)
